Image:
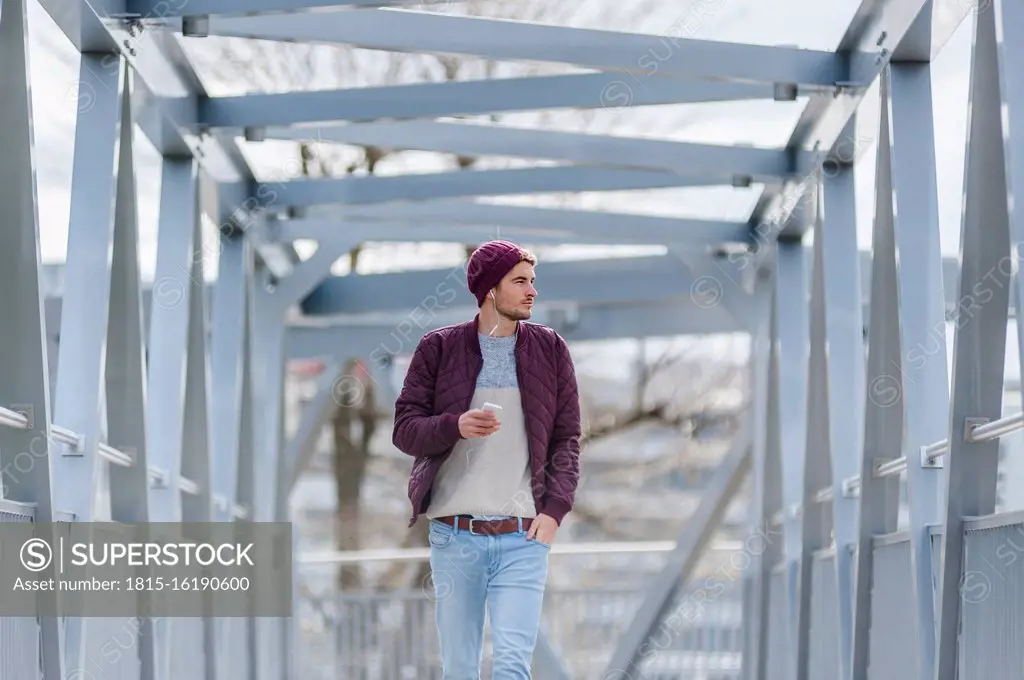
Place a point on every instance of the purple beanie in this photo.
(488, 266)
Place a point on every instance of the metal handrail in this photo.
(21, 421)
(420, 554)
(188, 486)
(114, 456)
(18, 421)
(929, 454)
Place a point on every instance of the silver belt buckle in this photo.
(473, 533)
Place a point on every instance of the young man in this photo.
(494, 483)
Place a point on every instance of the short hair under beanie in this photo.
(488, 266)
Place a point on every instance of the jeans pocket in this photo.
(440, 535)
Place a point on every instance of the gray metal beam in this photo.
(465, 98)
(668, 55)
(635, 643)
(125, 359)
(477, 139)
(466, 183)
(382, 337)
(25, 475)
(547, 662)
(315, 416)
(166, 91)
(980, 337)
(817, 466)
(125, 365)
(168, 332)
(883, 415)
(77, 471)
(791, 323)
(657, 230)
(634, 279)
(552, 220)
(924, 378)
(843, 309)
(229, 340)
(948, 287)
(168, 366)
(164, 9)
(879, 29)
(768, 490)
(455, 183)
(755, 615)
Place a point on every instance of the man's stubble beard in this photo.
(513, 314)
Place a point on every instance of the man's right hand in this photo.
(478, 423)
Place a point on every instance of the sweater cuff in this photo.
(450, 427)
(556, 509)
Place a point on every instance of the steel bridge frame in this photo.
(165, 404)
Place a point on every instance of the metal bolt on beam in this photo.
(784, 92)
(256, 133)
(197, 26)
(970, 425)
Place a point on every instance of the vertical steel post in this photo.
(883, 415)
(921, 303)
(81, 368)
(268, 389)
(815, 523)
(25, 473)
(228, 357)
(125, 386)
(756, 611)
(170, 306)
(979, 343)
(228, 364)
(842, 308)
(792, 345)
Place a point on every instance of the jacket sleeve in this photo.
(563, 469)
(418, 432)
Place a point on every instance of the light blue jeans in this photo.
(506, 574)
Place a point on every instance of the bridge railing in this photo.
(393, 636)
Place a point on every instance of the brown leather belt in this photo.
(488, 527)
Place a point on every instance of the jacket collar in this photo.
(472, 340)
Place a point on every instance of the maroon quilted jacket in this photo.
(439, 388)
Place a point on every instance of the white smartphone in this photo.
(488, 406)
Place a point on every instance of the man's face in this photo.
(515, 293)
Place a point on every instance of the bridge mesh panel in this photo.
(778, 634)
(824, 651)
(992, 604)
(19, 637)
(893, 653)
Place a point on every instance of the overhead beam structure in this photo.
(165, 97)
(164, 9)
(472, 139)
(380, 337)
(465, 98)
(404, 31)
(880, 32)
(435, 186)
(678, 232)
(843, 399)
(589, 222)
(605, 280)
